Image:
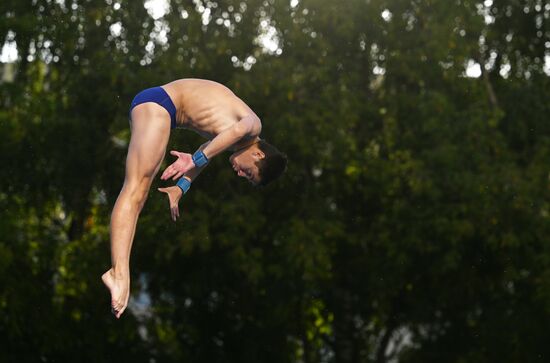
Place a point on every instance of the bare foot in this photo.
(119, 286)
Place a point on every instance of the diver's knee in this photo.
(137, 192)
(142, 199)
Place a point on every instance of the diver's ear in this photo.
(258, 154)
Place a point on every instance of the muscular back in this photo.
(206, 107)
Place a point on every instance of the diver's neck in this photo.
(245, 143)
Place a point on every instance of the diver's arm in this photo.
(247, 127)
(183, 166)
(175, 192)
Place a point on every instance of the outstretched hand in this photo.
(174, 194)
(179, 167)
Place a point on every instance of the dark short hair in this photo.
(273, 165)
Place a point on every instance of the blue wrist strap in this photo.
(199, 158)
(184, 184)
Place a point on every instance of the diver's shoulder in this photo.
(187, 82)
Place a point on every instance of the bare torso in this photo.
(206, 107)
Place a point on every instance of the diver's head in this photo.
(260, 163)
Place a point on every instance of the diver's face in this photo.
(244, 163)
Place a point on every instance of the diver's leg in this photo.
(150, 134)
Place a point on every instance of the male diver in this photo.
(206, 107)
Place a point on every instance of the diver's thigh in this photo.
(150, 134)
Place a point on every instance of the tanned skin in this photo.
(206, 107)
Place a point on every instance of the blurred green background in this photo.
(412, 224)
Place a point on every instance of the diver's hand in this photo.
(179, 167)
(174, 194)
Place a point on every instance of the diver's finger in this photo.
(167, 172)
(120, 313)
(177, 175)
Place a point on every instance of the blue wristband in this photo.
(199, 158)
(184, 184)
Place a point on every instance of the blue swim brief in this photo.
(159, 96)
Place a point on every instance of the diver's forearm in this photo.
(248, 126)
(193, 173)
